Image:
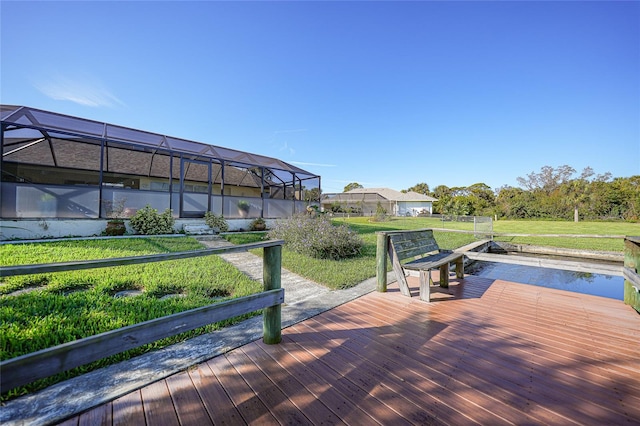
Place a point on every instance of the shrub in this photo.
(216, 222)
(317, 237)
(258, 224)
(148, 221)
(381, 214)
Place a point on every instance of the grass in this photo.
(568, 228)
(524, 227)
(334, 274)
(347, 273)
(60, 307)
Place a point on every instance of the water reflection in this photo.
(579, 282)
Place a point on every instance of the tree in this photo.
(352, 185)
(576, 194)
(626, 197)
(420, 188)
(548, 180)
(483, 198)
(441, 191)
(311, 195)
(444, 196)
(579, 193)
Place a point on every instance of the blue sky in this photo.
(386, 94)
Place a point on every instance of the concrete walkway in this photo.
(303, 299)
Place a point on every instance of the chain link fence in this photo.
(482, 225)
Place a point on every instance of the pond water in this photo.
(579, 282)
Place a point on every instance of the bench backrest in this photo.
(411, 244)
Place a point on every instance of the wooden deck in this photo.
(483, 352)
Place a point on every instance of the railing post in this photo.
(632, 261)
(381, 261)
(271, 271)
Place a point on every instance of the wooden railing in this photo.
(630, 272)
(47, 362)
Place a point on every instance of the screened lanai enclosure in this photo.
(58, 166)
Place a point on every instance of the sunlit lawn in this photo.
(51, 309)
(346, 273)
(60, 307)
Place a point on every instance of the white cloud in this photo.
(84, 90)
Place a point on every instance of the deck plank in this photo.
(158, 405)
(407, 377)
(440, 361)
(293, 359)
(311, 355)
(305, 401)
(214, 397)
(374, 384)
(482, 352)
(429, 376)
(100, 415)
(128, 410)
(250, 407)
(263, 387)
(187, 402)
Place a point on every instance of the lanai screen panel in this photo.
(64, 150)
(28, 150)
(75, 154)
(242, 180)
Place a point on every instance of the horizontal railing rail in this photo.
(7, 271)
(27, 368)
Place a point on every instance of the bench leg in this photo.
(425, 281)
(460, 268)
(444, 275)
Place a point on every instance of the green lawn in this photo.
(568, 228)
(55, 308)
(347, 273)
(61, 307)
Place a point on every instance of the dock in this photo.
(482, 352)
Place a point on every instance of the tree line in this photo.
(553, 193)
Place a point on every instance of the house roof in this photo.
(393, 195)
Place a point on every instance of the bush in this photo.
(216, 222)
(317, 237)
(258, 224)
(148, 221)
(381, 214)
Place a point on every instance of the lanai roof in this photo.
(23, 116)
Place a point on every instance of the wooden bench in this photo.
(422, 248)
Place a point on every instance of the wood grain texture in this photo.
(482, 352)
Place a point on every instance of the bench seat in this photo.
(421, 246)
(432, 261)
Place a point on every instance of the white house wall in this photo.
(413, 207)
(14, 229)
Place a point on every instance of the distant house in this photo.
(365, 201)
